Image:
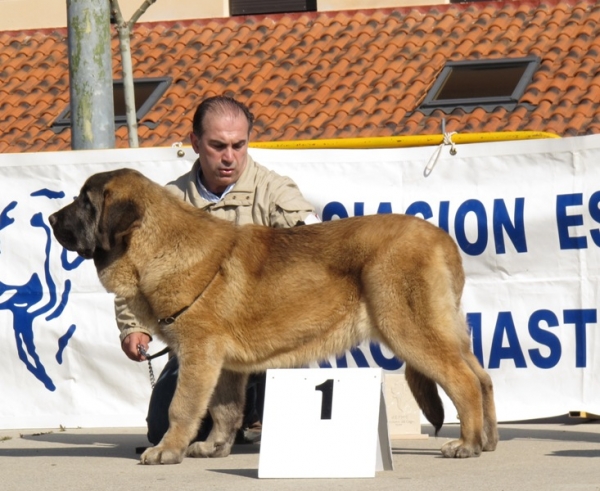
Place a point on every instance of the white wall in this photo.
(16, 15)
(324, 5)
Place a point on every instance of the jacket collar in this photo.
(242, 192)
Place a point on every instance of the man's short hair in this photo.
(219, 104)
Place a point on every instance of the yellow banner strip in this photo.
(403, 141)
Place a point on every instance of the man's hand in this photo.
(130, 345)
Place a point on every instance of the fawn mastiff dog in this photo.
(230, 300)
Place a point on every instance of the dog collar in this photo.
(167, 321)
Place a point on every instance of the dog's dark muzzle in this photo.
(68, 234)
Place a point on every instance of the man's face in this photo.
(223, 149)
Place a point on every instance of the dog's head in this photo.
(103, 215)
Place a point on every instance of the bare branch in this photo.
(140, 11)
(124, 32)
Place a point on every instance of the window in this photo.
(480, 83)
(250, 7)
(147, 93)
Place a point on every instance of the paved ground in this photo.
(563, 454)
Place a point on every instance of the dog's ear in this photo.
(118, 219)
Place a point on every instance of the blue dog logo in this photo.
(23, 300)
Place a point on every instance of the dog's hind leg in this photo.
(426, 394)
(437, 355)
(490, 425)
(227, 411)
(453, 374)
(199, 372)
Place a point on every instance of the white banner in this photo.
(526, 216)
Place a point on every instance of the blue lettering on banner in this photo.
(384, 208)
(507, 346)
(337, 209)
(474, 323)
(342, 362)
(594, 207)
(334, 209)
(475, 207)
(581, 318)
(515, 230)
(392, 363)
(564, 221)
(567, 216)
(423, 209)
(544, 337)
(501, 224)
(505, 328)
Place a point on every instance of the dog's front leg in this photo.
(197, 378)
(227, 412)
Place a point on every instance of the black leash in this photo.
(166, 321)
(149, 357)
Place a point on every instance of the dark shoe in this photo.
(250, 434)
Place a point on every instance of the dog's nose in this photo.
(52, 219)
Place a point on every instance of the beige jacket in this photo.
(260, 196)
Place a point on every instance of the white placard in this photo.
(324, 424)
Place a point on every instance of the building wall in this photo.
(18, 15)
(324, 5)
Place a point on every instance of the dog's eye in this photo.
(82, 200)
(86, 203)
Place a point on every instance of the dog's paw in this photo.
(491, 441)
(208, 449)
(161, 455)
(460, 450)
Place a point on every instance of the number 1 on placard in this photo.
(327, 398)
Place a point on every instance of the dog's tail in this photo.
(425, 392)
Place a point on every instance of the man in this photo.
(226, 182)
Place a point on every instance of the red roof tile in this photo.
(325, 74)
